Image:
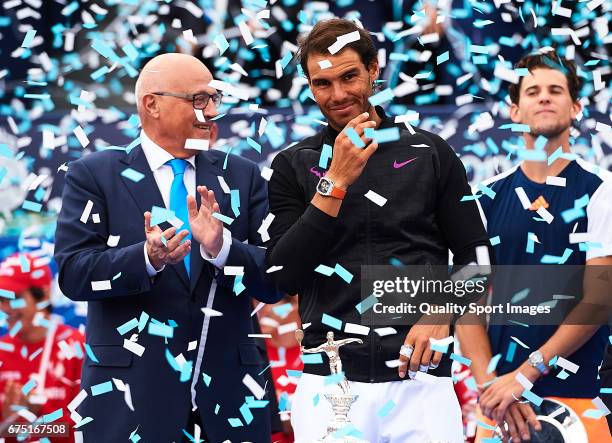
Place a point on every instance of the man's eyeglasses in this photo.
(200, 101)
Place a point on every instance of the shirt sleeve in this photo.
(459, 221)
(150, 269)
(599, 213)
(221, 258)
(297, 226)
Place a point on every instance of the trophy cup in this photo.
(340, 402)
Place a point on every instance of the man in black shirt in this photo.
(369, 204)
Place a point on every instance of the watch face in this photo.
(324, 186)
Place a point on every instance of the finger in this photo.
(359, 119)
(435, 360)
(211, 198)
(147, 220)
(179, 253)
(415, 359)
(370, 150)
(425, 359)
(531, 417)
(360, 129)
(521, 423)
(176, 241)
(401, 370)
(504, 426)
(512, 428)
(217, 209)
(203, 197)
(167, 234)
(192, 207)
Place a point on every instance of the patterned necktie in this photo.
(178, 200)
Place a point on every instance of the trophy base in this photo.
(340, 404)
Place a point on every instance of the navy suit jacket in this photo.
(161, 401)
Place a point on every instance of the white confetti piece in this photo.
(594, 4)
(342, 41)
(273, 269)
(133, 347)
(383, 332)
(287, 327)
(266, 173)
(579, 237)
(233, 270)
(101, 285)
(547, 216)
(192, 346)
(200, 115)
(77, 400)
(352, 328)
(524, 381)
(324, 64)
(209, 312)
(567, 31)
(567, 365)
(393, 363)
(223, 184)
(555, 181)
(86, 211)
(522, 195)
(95, 218)
(81, 136)
(263, 123)
(598, 84)
(253, 386)
(199, 144)
(234, 91)
(376, 198)
(246, 33)
(260, 335)
(113, 240)
(258, 308)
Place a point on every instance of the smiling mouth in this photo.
(342, 108)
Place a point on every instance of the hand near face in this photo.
(348, 161)
(206, 229)
(170, 250)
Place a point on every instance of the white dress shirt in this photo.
(157, 158)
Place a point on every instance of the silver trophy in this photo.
(340, 402)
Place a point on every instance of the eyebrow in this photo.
(351, 70)
(540, 86)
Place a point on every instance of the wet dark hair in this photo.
(549, 60)
(324, 34)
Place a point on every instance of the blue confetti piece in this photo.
(467, 198)
(99, 73)
(7, 294)
(563, 374)
(294, 373)
(530, 247)
(27, 388)
(381, 97)
(540, 143)
(388, 407)
(17, 303)
(160, 215)
(282, 310)
(68, 10)
(461, 359)
(483, 425)
(493, 363)
(366, 304)
(221, 43)
(325, 270)
(315, 399)
(217, 408)
(331, 321)
(206, 378)
(442, 58)
(333, 379)
(132, 174)
(31, 206)
(487, 191)
(569, 215)
(383, 135)
(160, 330)
(235, 201)
(533, 398)
(480, 59)
(253, 144)
(255, 404)
(130, 50)
(90, 353)
(594, 413)
(286, 59)
(605, 391)
(29, 37)
(15, 329)
(531, 155)
(127, 326)
(312, 359)
(325, 157)
(52, 416)
(522, 72)
(235, 422)
(354, 137)
(224, 218)
(495, 240)
(516, 127)
(343, 273)
(142, 321)
(101, 388)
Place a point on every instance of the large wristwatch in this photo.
(536, 360)
(326, 187)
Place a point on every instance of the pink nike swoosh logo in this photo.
(397, 165)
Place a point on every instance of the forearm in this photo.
(475, 345)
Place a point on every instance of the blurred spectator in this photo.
(41, 357)
(280, 321)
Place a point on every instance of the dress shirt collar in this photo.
(156, 155)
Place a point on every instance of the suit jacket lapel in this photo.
(207, 171)
(146, 195)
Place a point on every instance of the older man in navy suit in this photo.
(169, 293)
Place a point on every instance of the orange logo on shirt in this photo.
(538, 203)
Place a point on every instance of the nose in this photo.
(211, 110)
(544, 96)
(338, 93)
